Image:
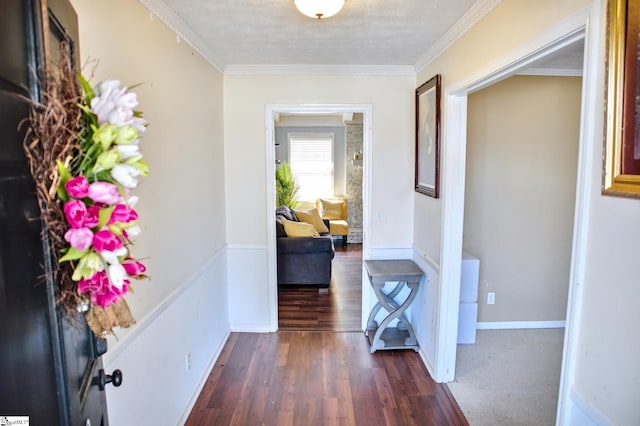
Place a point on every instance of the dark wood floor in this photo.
(339, 308)
(320, 378)
(317, 369)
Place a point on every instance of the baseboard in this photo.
(203, 380)
(585, 413)
(512, 325)
(250, 328)
(427, 362)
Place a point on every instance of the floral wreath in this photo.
(83, 146)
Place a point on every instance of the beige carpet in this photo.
(509, 377)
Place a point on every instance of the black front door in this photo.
(49, 367)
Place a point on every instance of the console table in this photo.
(406, 273)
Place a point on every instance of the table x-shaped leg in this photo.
(386, 301)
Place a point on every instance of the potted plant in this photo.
(286, 187)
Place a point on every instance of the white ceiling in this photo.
(273, 32)
(397, 35)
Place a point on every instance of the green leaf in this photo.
(286, 187)
(73, 254)
(86, 88)
(104, 216)
(90, 158)
(64, 178)
(116, 229)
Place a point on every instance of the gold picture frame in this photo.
(621, 168)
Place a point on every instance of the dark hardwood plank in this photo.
(338, 309)
(320, 378)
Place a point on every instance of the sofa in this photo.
(302, 260)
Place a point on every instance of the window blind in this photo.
(311, 161)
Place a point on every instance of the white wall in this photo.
(245, 102)
(182, 308)
(602, 376)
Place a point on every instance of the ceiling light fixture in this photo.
(319, 8)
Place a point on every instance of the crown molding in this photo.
(478, 11)
(326, 70)
(552, 72)
(164, 13)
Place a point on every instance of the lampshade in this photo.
(319, 8)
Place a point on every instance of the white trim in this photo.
(203, 380)
(453, 190)
(246, 246)
(478, 11)
(552, 72)
(271, 110)
(588, 410)
(565, 33)
(164, 13)
(425, 360)
(390, 252)
(591, 104)
(251, 328)
(270, 188)
(419, 253)
(513, 325)
(321, 70)
(141, 326)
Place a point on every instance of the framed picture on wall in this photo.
(427, 177)
(621, 169)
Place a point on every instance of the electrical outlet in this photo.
(188, 361)
(491, 298)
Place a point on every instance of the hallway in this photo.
(318, 370)
(320, 378)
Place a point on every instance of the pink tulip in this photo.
(80, 238)
(104, 192)
(110, 294)
(105, 240)
(100, 291)
(133, 267)
(77, 187)
(123, 214)
(92, 218)
(94, 284)
(75, 211)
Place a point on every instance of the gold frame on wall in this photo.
(621, 169)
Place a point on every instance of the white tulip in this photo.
(125, 175)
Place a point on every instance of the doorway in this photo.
(569, 31)
(520, 185)
(320, 150)
(273, 113)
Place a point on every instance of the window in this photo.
(311, 161)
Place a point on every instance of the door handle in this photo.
(114, 378)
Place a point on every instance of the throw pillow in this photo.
(280, 227)
(331, 209)
(313, 217)
(299, 229)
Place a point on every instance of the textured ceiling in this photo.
(273, 32)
